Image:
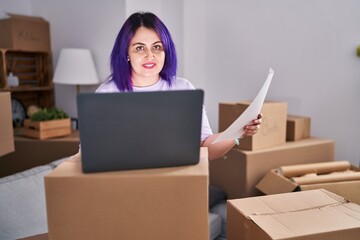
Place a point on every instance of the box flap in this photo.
(297, 214)
(274, 183)
(286, 202)
(310, 221)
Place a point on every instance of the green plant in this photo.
(358, 50)
(48, 114)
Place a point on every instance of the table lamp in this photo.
(76, 67)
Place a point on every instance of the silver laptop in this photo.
(138, 130)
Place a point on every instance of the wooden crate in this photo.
(34, 70)
(46, 129)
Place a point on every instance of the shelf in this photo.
(34, 72)
(26, 89)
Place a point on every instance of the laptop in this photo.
(139, 130)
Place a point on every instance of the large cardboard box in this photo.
(239, 171)
(161, 203)
(273, 127)
(25, 33)
(6, 127)
(315, 215)
(297, 127)
(345, 184)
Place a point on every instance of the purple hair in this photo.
(120, 66)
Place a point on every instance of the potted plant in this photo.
(47, 123)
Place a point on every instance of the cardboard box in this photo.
(315, 215)
(46, 129)
(274, 182)
(297, 127)
(25, 33)
(239, 171)
(273, 127)
(6, 127)
(162, 203)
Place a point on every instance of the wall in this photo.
(226, 48)
(310, 44)
(81, 24)
(15, 6)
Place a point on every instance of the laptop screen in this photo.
(137, 130)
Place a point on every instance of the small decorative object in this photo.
(32, 109)
(12, 80)
(18, 112)
(47, 123)
(358, 50)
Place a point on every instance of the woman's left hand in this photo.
(252, 129)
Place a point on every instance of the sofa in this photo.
(23, 206)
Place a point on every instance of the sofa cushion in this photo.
(22, 205)
(214, 225)
(56, 163)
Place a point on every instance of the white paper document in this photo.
(236, 129)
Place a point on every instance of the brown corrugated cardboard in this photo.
(274, 182)
(297, 127)
(25, 33)
(315, 215)
(239, 171)
(273, 127)
(6, 127)
(163, 203)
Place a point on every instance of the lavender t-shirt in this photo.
(162, 85)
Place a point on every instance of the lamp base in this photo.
(77, 89)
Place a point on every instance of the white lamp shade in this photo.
(75, 67)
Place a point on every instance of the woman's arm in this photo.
(219, 149)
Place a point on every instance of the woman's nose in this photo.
(149, 54)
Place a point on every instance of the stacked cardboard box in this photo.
(26, 33)
(160, 203)
(273, 128)
(297, 127)
(238, 172)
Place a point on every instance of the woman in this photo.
(144, 59)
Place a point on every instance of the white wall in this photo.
(81, 24)
(15, 6)
(311, 46)
(226, 48)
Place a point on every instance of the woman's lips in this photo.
(149, 65)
